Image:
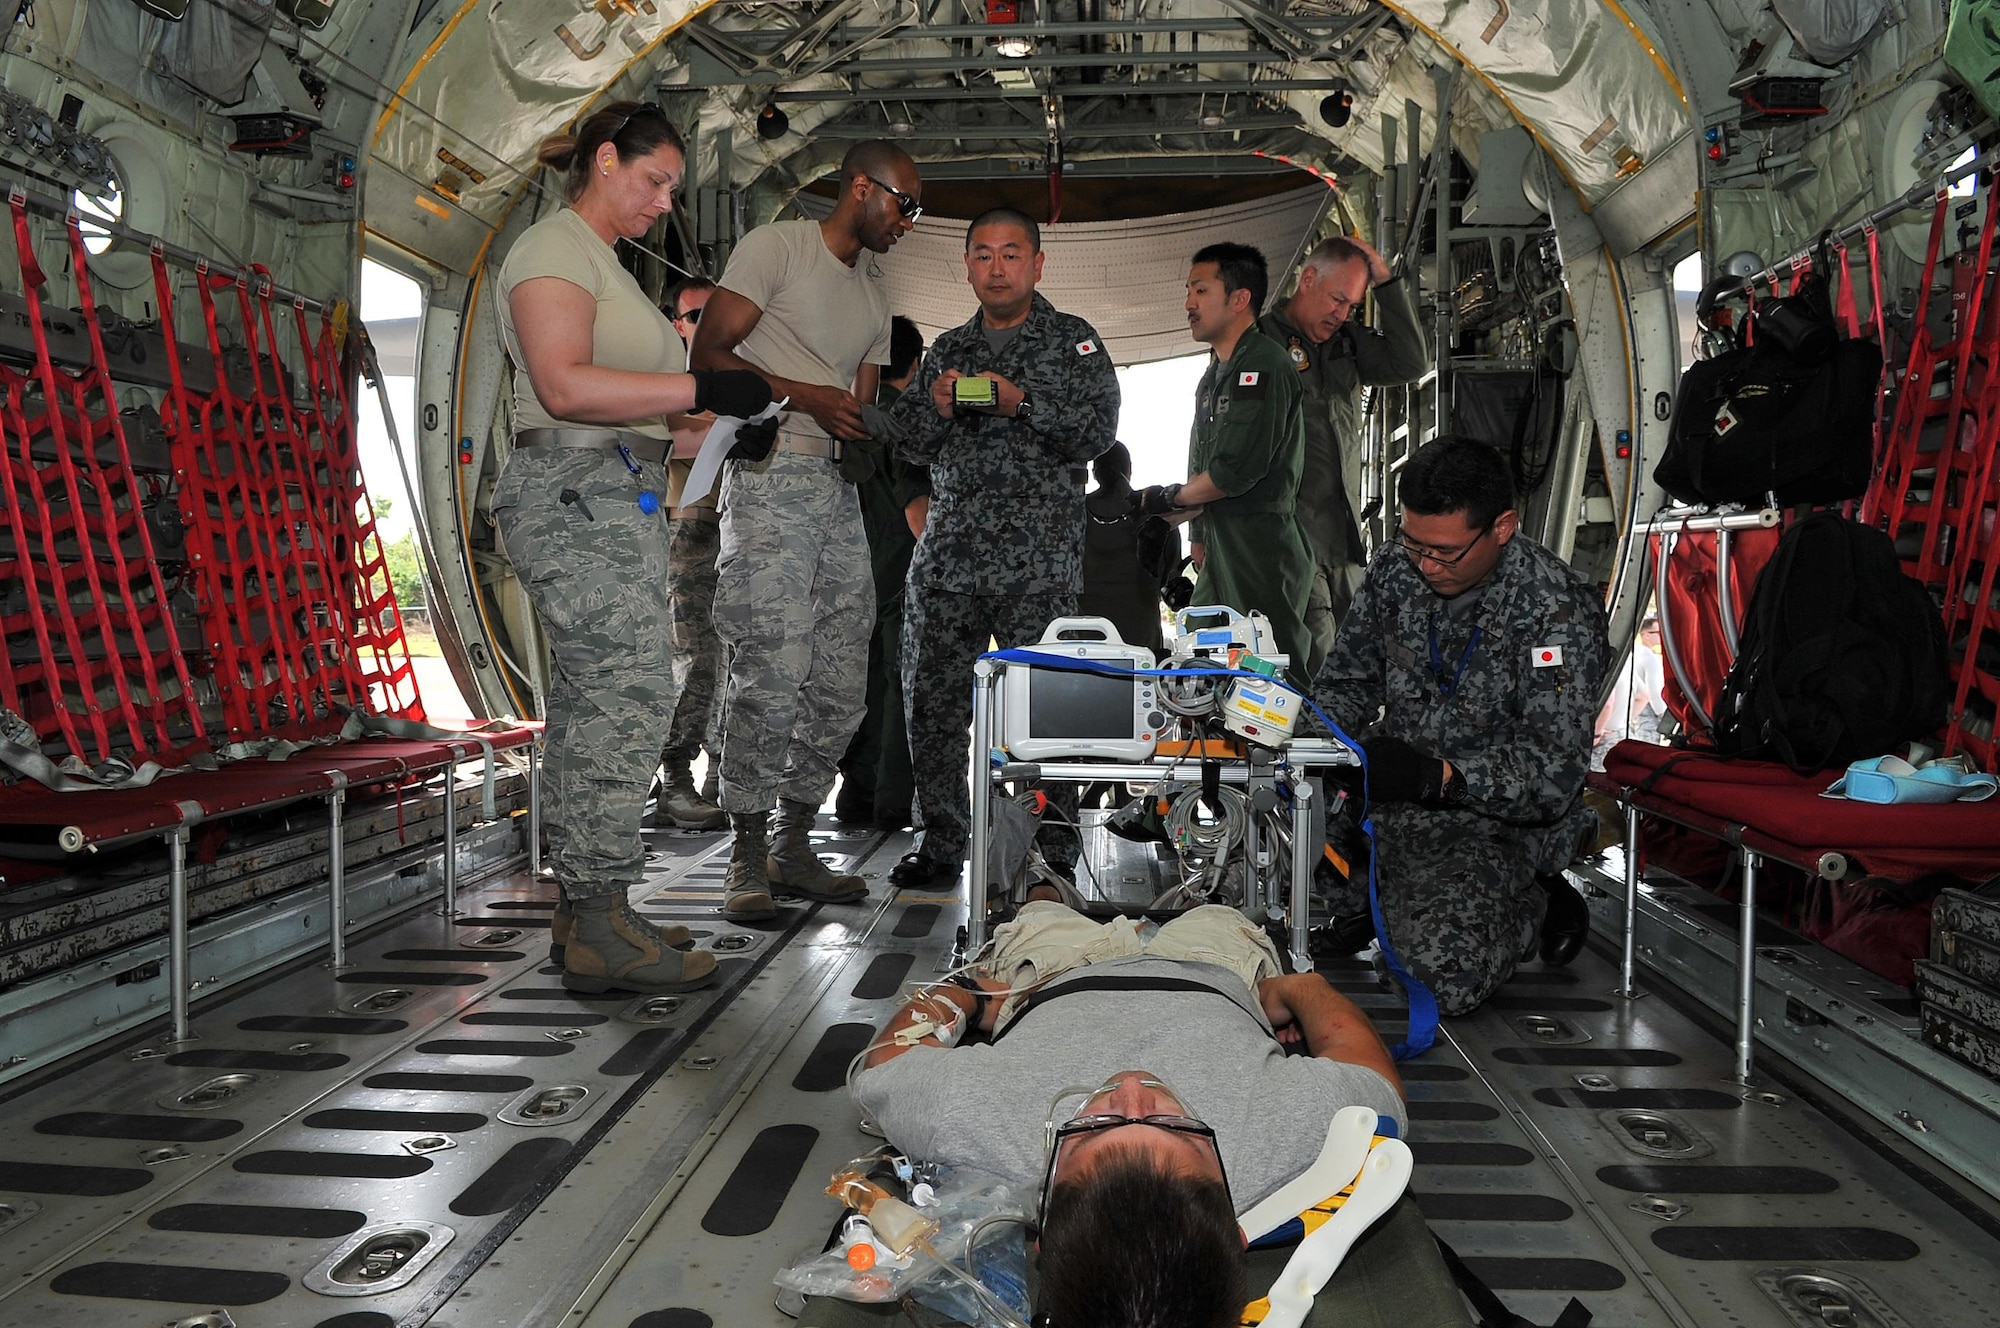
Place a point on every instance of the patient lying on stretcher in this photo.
(1130, 1071)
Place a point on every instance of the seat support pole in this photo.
(451, 838)
(535, 807)
(178, 981)
(1628, 963)
(336, 870)
(1746, 974)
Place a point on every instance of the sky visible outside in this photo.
(1153, 422)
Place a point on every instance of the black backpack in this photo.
(1842, 656)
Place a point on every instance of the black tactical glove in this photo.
(1178, 593)
(1157, 500)
(1398, 772)
(735, 392)
(754, 441)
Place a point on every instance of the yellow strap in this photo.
(1313, 1219)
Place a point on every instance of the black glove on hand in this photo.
(1158, 499)
(754, 441)
(1398, 772)
(735, 392)
(1178, 593)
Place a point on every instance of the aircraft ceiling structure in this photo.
(1118, 87)
(1127, 278)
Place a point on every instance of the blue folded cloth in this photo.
(1888, 779)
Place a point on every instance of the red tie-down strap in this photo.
(380, 649)
(315, 650)
(89, 591)
(1888, 495)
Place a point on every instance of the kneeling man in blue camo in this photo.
(1483, 654)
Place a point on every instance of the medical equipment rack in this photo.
(1299, 765)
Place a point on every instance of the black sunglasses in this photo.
(691, 316)
(643, 108)
(909, 207)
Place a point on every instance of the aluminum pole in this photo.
(535, 808)
(1303, 856)
(451, 839)
(1746, 974)
(178, 982)
(1628, 965)
(336, 869)
(983, 677)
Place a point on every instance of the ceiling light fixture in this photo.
(772, 123)
(1337, 108)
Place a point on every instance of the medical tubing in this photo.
(1423, 1005)
(915, 990)
(989, 1302)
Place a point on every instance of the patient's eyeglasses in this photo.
(1056, 1133)
(691, 316)
(909, 207)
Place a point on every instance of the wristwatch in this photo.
(1026, 410)
(979, 996)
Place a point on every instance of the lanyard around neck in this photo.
(1449, 689)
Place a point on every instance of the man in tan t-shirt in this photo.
(804, 305)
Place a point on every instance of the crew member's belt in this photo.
(639, 445)
(801, 443)
(706, 512)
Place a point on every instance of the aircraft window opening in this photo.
(109, 206)
(1963, 188)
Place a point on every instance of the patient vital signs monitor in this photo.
(1053, 713)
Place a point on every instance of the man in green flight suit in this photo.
(1336, 356)
(1244, 456)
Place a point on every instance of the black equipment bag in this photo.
(1842, 656)
(1793, 414)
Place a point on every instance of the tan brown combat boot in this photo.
(682, 806)
(795, 868)
(611, 948)
(671, 934)
(746, 890)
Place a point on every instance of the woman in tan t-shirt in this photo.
(581, 511)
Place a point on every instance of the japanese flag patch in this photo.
(1086, 348)
(1248, 378)
(1546, 657)
(1249, 385)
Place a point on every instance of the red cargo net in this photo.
(94, 663)
(1937, 491)
(287, 566)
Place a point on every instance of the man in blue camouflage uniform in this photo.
(1336, 356)
(1003, 551)
(1484, 653)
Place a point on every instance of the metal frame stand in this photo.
(336, 870)
(1301, 755)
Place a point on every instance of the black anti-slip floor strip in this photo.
(750, 1199)
(171, 1283)
(455, 1277)
(259, 1220)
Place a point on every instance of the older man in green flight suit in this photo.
(1244, 456)
(1336, 356)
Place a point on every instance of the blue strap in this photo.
(1423, 1026)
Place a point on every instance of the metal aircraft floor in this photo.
(487, 1148)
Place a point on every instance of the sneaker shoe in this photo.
(612, 948)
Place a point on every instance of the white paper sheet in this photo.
(721, 437)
